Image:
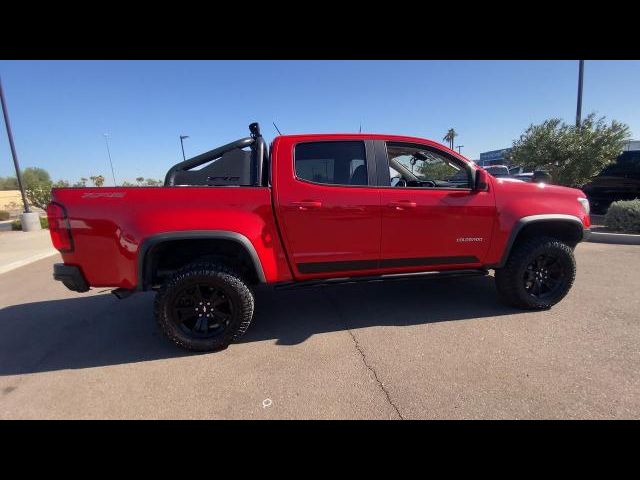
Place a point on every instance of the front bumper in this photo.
(71, 277)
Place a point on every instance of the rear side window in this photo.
(334, 163)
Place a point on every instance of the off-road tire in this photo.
(219, 276)
(510, 280)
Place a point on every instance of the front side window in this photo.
(334, 163)
(421, 167)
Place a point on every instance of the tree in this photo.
(435, 170)
(39, 195)
(97, 180)
(140, 180)
(571, 154)
(37, 186)
(35, 176)
(8, 183)
(450, 137)
(150, 182)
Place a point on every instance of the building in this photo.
(499, 157)
(494, 157)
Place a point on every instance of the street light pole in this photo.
(579, 109)
(182, 137)
(13, 149)
(106, 141)
(459, 147)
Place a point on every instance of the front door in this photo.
(431, 217)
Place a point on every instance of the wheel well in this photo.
(164, 258)
(566, 231)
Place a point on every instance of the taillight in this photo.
(59, 227)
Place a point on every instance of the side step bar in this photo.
(378, 278)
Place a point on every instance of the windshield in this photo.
(627, 164)
(426, 165)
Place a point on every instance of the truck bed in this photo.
(109, 225)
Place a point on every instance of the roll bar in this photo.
(255, 142)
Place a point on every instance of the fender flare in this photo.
(154, 240)
(525, 221)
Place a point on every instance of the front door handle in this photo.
(399, 205)
(307, 204)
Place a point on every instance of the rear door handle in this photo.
(399, 205)
(307, 204)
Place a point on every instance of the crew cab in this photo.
(312, 209)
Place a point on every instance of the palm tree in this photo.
(98, 180)
(450, 136)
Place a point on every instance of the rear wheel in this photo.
(538, 274)
(204, 307)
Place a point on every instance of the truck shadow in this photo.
(99, 330)
(292, 316)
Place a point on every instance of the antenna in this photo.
(274, 124)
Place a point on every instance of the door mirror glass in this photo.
(482, 181)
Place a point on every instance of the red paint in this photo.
(313, 223)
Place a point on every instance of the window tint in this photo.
(337, 163)
(627, 164)
(413, 166)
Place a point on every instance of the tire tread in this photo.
(508, 283)
(209, 269)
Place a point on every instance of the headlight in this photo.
(585, 204)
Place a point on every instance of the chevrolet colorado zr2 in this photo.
(312, 209)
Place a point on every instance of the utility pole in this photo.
(182, 137)
(7, 124)
(579, 109)
(106, 141)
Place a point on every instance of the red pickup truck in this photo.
(312, 209)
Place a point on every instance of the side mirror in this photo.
(482, 181)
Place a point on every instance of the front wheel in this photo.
(538, 274)
(204, 307)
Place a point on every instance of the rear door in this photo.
(431, 217)
(327, 206)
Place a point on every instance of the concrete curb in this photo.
(614, 238)
(5, 225)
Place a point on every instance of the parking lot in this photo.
(407, 349)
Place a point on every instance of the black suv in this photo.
(618, 181)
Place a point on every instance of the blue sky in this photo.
(61, 109)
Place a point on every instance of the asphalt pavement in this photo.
(428, 348)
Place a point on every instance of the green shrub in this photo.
(17, 225)
(624, 216)
(4, 215)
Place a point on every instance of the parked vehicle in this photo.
(498, 171)
(617, 181)
(535, 176)
(312, 209)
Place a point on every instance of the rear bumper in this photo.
(71, 277)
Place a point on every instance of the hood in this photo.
(527, 188)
